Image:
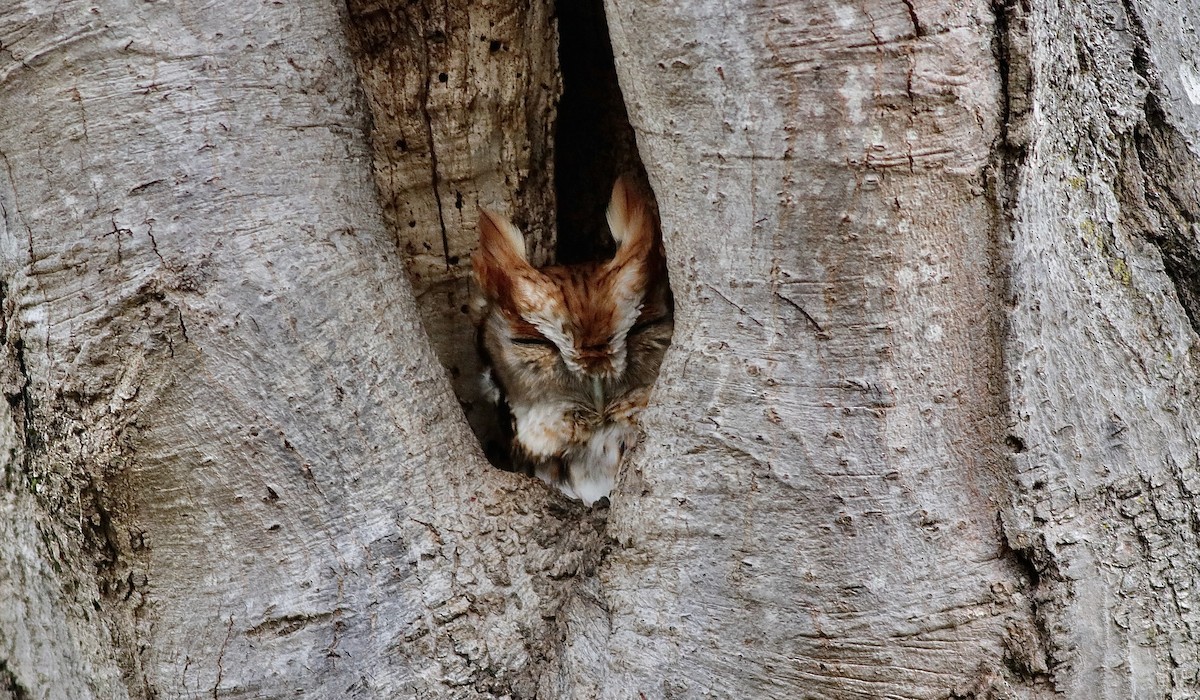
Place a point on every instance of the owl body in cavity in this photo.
(573, 349)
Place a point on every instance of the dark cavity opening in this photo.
(594, 142)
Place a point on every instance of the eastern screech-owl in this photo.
(573, 349)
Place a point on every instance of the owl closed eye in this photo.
(574, 349)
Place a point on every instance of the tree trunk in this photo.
(822, 517)
(926, 429)
(1101, 358)
(234, 466)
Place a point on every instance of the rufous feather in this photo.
(573, 349)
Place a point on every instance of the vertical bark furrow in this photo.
(1012, 49)
(1032, 653)
(1101, 359)
(1162, 172)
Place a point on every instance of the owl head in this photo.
(570, 324)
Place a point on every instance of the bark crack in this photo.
(182, 329)
(435, 179)
(808, 317)
(154, 241)
(16, 381)
(916, 21)
(118, 231)
(10, 687)
(221, 657)
(735, 305)
(1163, 159)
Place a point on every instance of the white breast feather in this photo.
(593, 469)
(543, 429)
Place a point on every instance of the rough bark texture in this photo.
(816, 507)
(1102, 359)
(927, 428)
(233, 465)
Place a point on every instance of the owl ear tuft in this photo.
(499, 237)
(500, 258)
(628, 218)
(633, 229)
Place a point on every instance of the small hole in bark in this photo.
(1016, 444)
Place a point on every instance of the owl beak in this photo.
(598, 393)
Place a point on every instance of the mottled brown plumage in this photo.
(574, 349)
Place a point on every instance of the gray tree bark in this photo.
(233, 465)
(822, 520)
(927, 428)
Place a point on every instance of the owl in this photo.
(572, 350)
